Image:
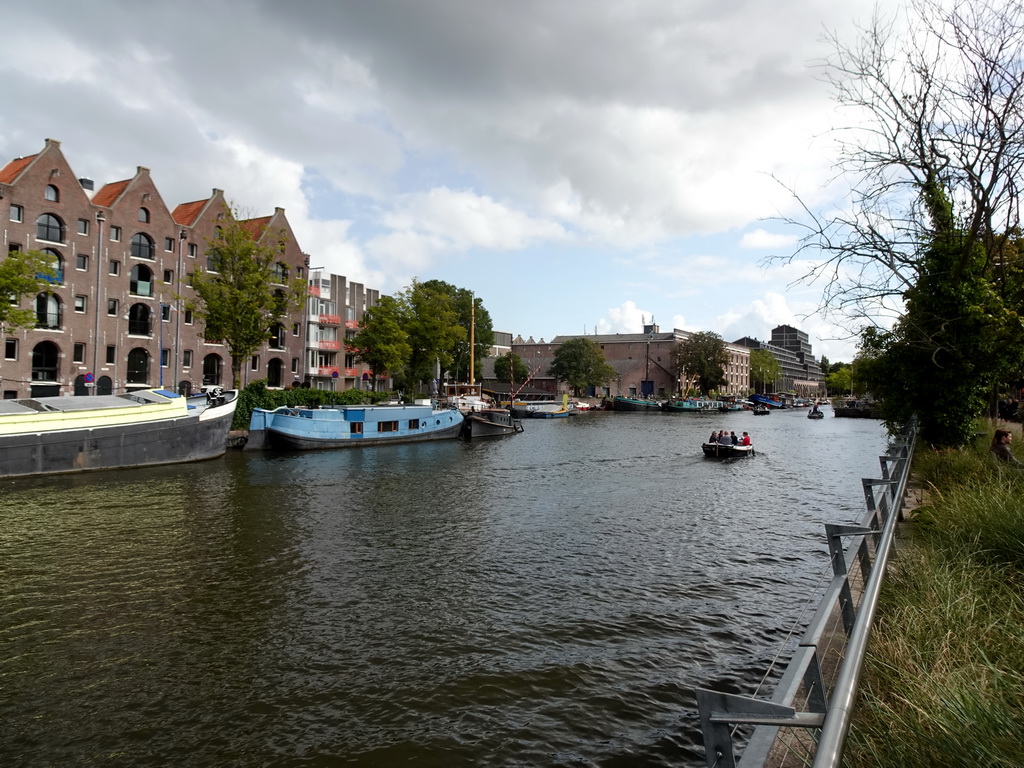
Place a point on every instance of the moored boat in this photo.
(51, 435)
(720, 451)
(351, 426)
(761, 410)
(623, 403)
(490, 422)
(695, 405)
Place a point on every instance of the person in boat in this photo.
(1001, 446)
(745, 440)
(733, 439)
(815, 408)
(714, 437)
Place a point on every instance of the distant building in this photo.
(800, 371)
(335, 310)
(642, 363)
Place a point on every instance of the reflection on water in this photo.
(547, 599)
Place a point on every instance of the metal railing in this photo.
(806, 720)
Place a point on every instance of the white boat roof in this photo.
(80, 403)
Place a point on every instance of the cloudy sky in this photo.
(580, 165)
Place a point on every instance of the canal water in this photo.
(548, 599)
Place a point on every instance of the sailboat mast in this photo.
(472, 336)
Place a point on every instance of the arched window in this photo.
(51, 193)
(140, 281)
(277, 333)
(280, 272)
(138, 366)
(56, 264)
(45, 361)
(50, 228)
(144, 215)
(47, 311)
(139, 320)
(142, 246)
(213, 367)
(275, 372)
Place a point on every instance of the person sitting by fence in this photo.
(1001, 446)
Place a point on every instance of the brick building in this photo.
(115, 318)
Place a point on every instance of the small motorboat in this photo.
(762, 410)
(725, 451)
(815, 414)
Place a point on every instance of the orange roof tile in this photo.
(110, 193)
(12, 169)
(256, 227)
(187, 213)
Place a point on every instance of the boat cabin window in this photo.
(414, 423)
(357, 428)
(387, 426)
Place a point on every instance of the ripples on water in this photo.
(549, 599)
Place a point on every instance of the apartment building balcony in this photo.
(354, 324)
(325, 319)
(329, 345)
(327, 370)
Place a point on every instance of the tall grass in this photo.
(944, 678)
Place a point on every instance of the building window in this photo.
(83, 226)
(168, 276)
(144, 215)
(11, 349)
(280, 273)
(82, 262)
(142, 246)
(17, 213)
(295, 365)
(186, 358)
(255, 365)
(47, 311)
(193, 250)
(168, 243)
(140, 281)
(188, 317)
(298, 272)
(45, 361)
(138, 366)
(80, 303)
(49, 227)
(277, 337)
(56, 264)
(295, 329)
(51, 193)
(78, 353)
(115, 234)
(165, 356)
(139, 321)
(111, 354)
(115, 267)
(111, 306)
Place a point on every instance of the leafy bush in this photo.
(256, 395)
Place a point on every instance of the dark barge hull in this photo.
(193, 437)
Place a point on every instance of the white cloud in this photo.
(761, 239)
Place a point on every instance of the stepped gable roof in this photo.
(110, 192)
(186, 214)
(11, 171)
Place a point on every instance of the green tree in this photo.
(470, 313)
(840, 381)
(702, 357)
(510, 369)
(23, 274)
(243, 300)
(580, 363)
(434, 328)
(764, 369)
(382, 342)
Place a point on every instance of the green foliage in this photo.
(948, 350)
(470, 313)
(702, 357)
(382, 342)
(22, 274)
(242, 300)
(764, 368)
(580, 363)
(510, 368)
(434, 326)
(840, 381)
(256, 395)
